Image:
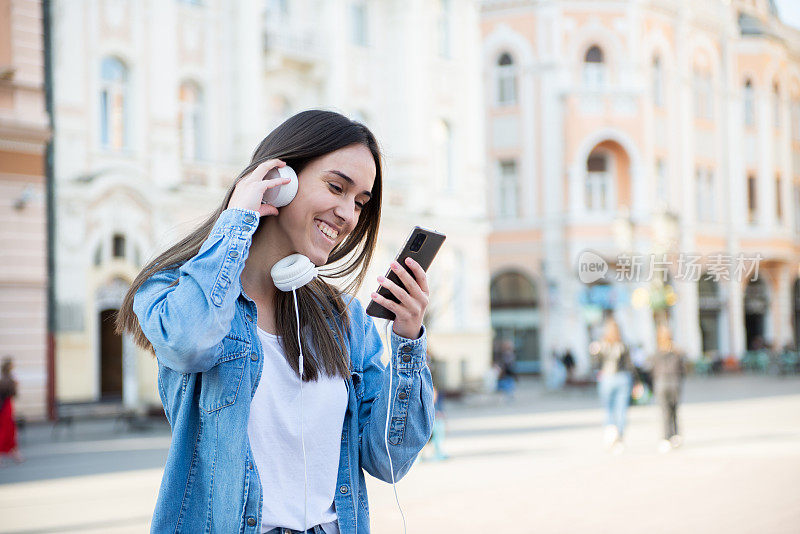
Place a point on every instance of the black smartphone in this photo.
(421, 246)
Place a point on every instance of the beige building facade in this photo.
(637, 128)
(24, 134)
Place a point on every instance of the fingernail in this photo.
(395, 265)
(381, 279)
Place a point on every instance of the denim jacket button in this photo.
(249, 318)
(254, 356)
(402, 395)
(406, 358)
(233, 254)
(406, 349)
(343, 489)
(249, 219)
(251, 521)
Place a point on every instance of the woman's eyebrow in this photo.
(348, 180)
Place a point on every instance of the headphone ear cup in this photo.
(293, 272)
(282, 195)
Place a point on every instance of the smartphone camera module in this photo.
(417, 243)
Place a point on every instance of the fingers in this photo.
(413, 297)
(259, 172)
(419, 274)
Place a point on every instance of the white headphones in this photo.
(281, 196)
(293, 272)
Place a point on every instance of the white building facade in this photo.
(159, 105)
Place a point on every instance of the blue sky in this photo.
(789, 11)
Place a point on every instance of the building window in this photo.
(443, 143)
(705, 195)
(506, 81)
(507, 206)
(358, 20)
(119, 246)
(797, 207)
(776, 105)
(752, 199)
(778, 200)
(598, 183)
(662, 185)
(703, 96)
(113, 104)
(749, 104)
(658, 82)
(594, 68)
(796, 119)
(445, 13)
(190, 119)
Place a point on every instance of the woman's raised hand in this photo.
(250, 190)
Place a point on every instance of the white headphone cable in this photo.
(302, 417)
(388, 415)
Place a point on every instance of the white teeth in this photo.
(327, 230)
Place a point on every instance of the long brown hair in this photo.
(297, 141)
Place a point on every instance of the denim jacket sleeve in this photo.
(185, 321)
(412, 413)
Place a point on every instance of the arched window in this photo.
(113, 104)
(658, 82)
(703, 95)
(594, 68)
(749, 104)
(506, 80)
(512, 290)
(191, 121)
(597, 196)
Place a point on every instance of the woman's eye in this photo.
(335, 187)
(360, 205)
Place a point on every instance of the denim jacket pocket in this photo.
(220, 384)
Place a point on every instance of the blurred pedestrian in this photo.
(669, 370)
(569, 364)
(8, 427)
(507, 376)
(614, 382)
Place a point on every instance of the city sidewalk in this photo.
(534, 465)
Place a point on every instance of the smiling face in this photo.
(332, 192)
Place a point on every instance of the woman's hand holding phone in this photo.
(413, 301)
(250, 190)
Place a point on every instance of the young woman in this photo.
(614, 380)
(226, 342)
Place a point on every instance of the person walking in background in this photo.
(504, 360)
(8, 427)
(669, 370)
(614, 382)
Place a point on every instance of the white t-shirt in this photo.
(274, 431)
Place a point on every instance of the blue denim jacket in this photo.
(203, 330)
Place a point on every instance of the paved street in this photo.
(534, 465)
